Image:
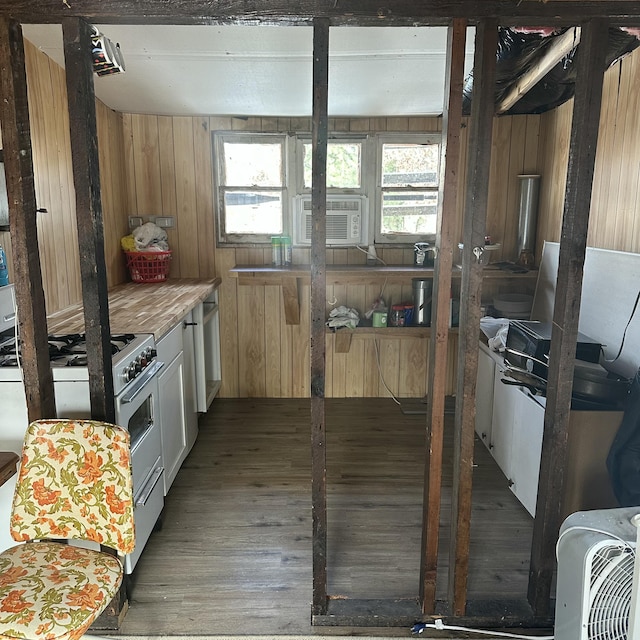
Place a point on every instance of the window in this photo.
(252, 187)
(344, 165)
(263, 187)
(408, 188)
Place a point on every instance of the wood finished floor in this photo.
(234, 552)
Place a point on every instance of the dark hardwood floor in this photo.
(233, 555)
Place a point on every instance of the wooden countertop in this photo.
(141, 308)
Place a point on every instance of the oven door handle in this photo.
(147, 490)
(139, 383)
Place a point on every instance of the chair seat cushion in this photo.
(54, 591)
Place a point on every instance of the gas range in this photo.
(131, 354)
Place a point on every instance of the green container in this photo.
(379, 319)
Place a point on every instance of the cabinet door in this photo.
(505, 399)
(484, 396)
(526, 449)
(172, 419)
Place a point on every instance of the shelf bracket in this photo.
(291, 298)
(342, 342)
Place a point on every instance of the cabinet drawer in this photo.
(170, 345)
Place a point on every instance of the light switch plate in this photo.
(166, 222)
(135, 221)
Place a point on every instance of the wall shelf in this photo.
(291, 278)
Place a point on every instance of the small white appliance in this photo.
(597, 588)
(347, 220)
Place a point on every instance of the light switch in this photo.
(166, 222)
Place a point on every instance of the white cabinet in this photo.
(484, 394)
(173, 408)
(207, 351)
(526, 448)
(505, 401)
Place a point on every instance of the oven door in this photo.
(137, 411)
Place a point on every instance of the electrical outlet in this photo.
(135, 221)
(166, 222)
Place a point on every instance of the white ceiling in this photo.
(267, 71)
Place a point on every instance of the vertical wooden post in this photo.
(573, 243)
(318, 297)
(86, 178)
(445, 230)
(475, 216)
(18, 161)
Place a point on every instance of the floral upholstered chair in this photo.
(74, 484)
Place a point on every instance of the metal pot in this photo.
(591, 381)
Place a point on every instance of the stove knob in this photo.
(125, 374)
(138, 365)
(154, 352)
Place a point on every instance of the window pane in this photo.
(253, 212)
(343, 165)
(253, 164)
(410, 165)
(409, 212)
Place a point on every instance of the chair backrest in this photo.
(75, 482)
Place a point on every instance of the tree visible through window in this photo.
(409, 183)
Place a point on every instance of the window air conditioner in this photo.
(347, 220)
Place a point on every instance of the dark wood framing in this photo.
(16, 140)
(566, 312)
(473, 234)
(86, 179)
(318, 296)
(593, 16)
(451, 124)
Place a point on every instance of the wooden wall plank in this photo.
(188, 241)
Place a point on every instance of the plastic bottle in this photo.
(4, 274)
(286, 251)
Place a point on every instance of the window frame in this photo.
(402, 138)
(220, 188)
(293, 180)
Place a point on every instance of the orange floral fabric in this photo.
(75, 482)
(54, 591)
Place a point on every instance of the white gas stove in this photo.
(134, 367)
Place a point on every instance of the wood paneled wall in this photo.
(169, 163)
(615, 204)
(158, 165)
(57, 232)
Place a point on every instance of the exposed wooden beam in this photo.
(18, 162)
(560, 47)
(474, 223)
(86, 178)
(320, 123)
(445, 238)
(566, 312)
(360, 12)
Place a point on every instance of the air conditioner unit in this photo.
(347, 220)
(597, 587)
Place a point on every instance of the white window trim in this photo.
(390, 138)
(219, 138)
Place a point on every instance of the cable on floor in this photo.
(441, 626)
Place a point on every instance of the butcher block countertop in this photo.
(141, 308)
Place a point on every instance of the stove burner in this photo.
(66, 350)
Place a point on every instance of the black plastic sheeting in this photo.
(517, 52)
